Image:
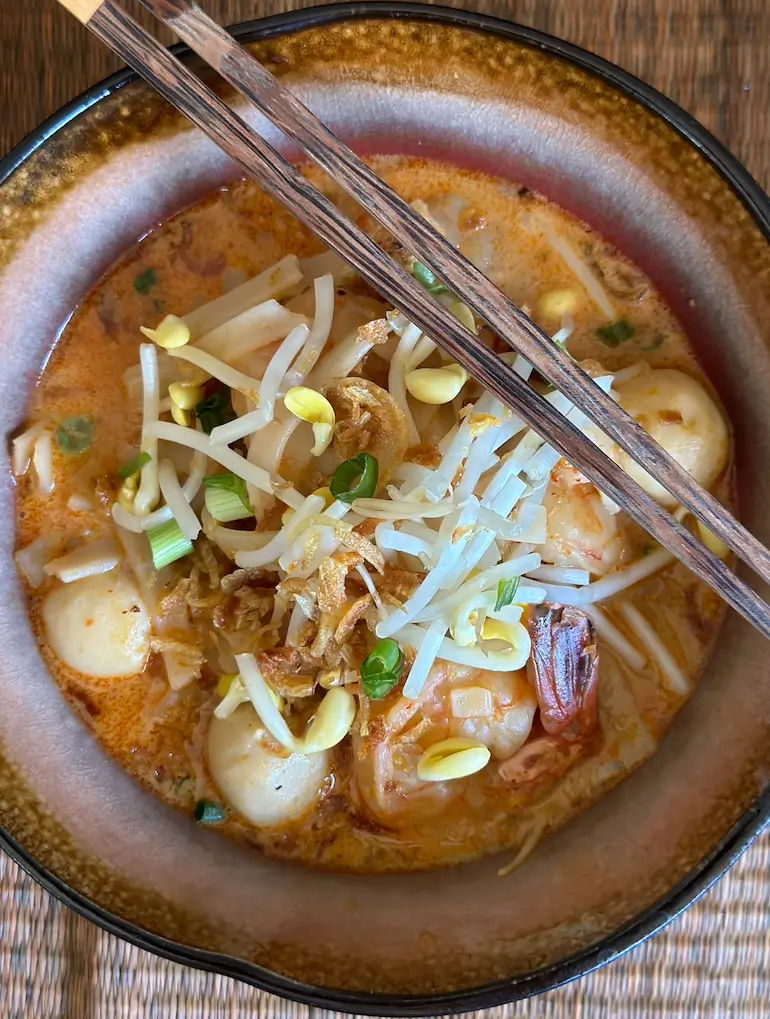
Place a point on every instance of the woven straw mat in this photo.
(713, 961)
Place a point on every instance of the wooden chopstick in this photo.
(237, 66)
(188, 93)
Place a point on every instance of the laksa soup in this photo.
(311, 584)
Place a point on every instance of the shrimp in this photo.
(677, 411)
(565, 668)
(581, 531)
(495, 709)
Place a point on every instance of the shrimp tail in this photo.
(564, 668)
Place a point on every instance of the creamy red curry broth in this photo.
(594, 636)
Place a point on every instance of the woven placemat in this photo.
(712, 961)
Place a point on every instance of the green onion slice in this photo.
(75, 435)
(226, 497)
(355, 478)
(145, 281)
(215, 410)
(207, 812)
(134, 466)
(615, 333)
(167, 544)
(506, 592)
(382, 669)
(427, 279)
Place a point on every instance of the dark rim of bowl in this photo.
(740, 836)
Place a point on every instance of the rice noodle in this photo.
(180, 508)
(295, 531)
(613, 583)
(532, 521)
(31, 560)
(96, 557)
(612, 636)
(543, 462)
(231, 540)
(624, 375)
(267, 447)
(262, 699)
(444, 568)
(516, 567)
(426, 656)
(526, 594)
(318, 336)
(267, 392)
(42, 461)
(473, 657)
(382, 509)
(457, 449)
(510, 466)
(573, 261)
(677, 682)
(276, 280)
(411, 477)
(479, 457)
(181, 666)
(149, 489)
(336, 363)
(503, 503)
(23, 446)
(326, 263)
(508, 530)
(388, 538)
(190, 489)
(231, 377)
(250, 331)
(340, 361)
(560, 575)
(125, 519)
(229, 459)
(276, 547)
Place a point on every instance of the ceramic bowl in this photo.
(398, 78)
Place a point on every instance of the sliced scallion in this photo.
(75, 435)
(506, 592)
(382, 669)
(128, 470)
(215, 410)
(427, 279)
(145, 281)
(226, 497)
(167, 544)
(615, 333)
(207, 812)
(355, 478)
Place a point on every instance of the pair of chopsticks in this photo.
(184, 90)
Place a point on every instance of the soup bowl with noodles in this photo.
(324, 671)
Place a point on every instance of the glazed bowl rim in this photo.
(743, 832)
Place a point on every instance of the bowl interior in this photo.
(485, 101)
